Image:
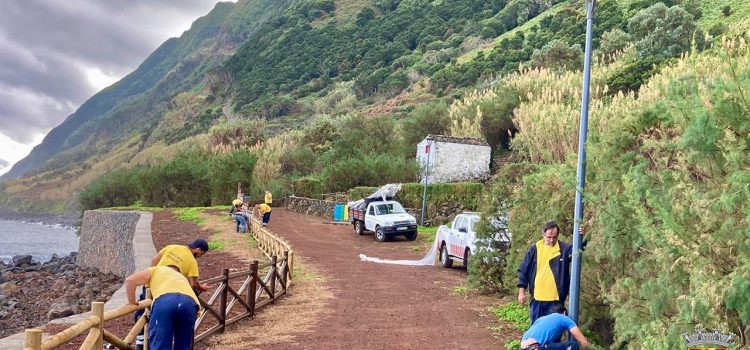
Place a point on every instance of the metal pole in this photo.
(575, 282)
(426, 173)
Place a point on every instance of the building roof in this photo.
(462, 140)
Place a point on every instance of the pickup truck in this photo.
(387, 218)
(459, 241)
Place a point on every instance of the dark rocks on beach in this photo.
(32, 293)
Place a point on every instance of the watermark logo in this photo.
(703, 340)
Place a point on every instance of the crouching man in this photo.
(547, 331)
(174, 310)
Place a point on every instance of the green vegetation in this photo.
(216, 245)
(513, 313)
(189, 214)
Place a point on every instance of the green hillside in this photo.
(317, 96)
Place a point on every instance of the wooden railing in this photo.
(244, 287)
(95, 326)
(271, 244)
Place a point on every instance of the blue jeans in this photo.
(172, 319)
(241, 223)
(570, 345)
(541, 308)
(266, 218)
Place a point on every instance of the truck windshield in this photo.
(390, 208)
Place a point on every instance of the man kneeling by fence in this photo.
(174, 310)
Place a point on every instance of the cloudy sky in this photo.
(54, 54)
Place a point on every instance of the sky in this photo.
(55, 54)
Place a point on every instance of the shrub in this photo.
(428, 118)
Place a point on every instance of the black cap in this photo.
(200, 244)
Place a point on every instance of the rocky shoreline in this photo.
(33, 293)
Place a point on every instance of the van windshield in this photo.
(389, 208)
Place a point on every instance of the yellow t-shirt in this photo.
(269, 198)
(165, 280)
(180, 256)
(264, 208)
(545, 288)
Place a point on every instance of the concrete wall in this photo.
(452, 162)
(106, 241)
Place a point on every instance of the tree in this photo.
(662, 32)
(556, 54)
(613, 41)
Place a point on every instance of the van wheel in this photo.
(445, 260)
(467, 259)
(411, 236)
(379, 234)
(358, 227)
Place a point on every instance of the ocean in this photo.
(36, 239)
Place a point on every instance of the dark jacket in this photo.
(560, 269)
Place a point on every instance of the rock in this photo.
(19, 260)
(59, 285)
(86, 293)
(9, 288)
(55, 257)
(58, 310)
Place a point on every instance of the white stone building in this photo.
(452, 159)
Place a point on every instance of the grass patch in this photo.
(426, 233)
(496, 329)
(215, 245)
(189, 214)
(513, 345)
(301, 274)
(513, 313)
(138, 206)
(462, 290)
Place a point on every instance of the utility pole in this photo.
(575, 282)
(426, 173)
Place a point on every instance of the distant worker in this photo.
(547, 332)
(264, 212)
(174, 309)
(239, 212)
(544, 273)
(268, 198)
(184, 257)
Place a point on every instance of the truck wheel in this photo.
(411, 236)
(379, 234)
(445, 260)
(358, 227)
(467, 259)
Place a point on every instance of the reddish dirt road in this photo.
(384, 306)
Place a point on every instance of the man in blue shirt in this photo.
(547, 331)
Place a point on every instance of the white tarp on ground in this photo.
(428, 259)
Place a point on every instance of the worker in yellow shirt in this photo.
(174, 309)
(268, 199)
(545, 272)
(264, 211)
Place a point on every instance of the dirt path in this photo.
(384, 306)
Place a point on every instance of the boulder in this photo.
(9, 288)
(20, 260)
(58, 310)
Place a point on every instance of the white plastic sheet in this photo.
(428, 259)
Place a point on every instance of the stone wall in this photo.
(453, 162)
(106, 241)
(309, 206)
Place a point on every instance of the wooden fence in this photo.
(95, 327)
(243, 287)
(271, 244)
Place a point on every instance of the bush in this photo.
(226, 170)
(428, 118)
(310, 187)
(374, 170)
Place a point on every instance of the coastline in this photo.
(44, 218)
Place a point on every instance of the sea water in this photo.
(35, 239)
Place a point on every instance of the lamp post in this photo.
(426, 173)
(575, 282)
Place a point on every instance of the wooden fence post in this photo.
(285, 272)
(97, 309)
(33, 339)
(252, 289)
(223, 300)
(290, 264)
(273, 280)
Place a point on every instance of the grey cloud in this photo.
(47, 45)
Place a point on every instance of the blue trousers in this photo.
(241, 223)
(172, 319)
(541, 308)
(266, 218)
(570, 345)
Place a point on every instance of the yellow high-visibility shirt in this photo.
(165, 280)
(264, 208)
(180, 256)
(269, 198)
(545, 287)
